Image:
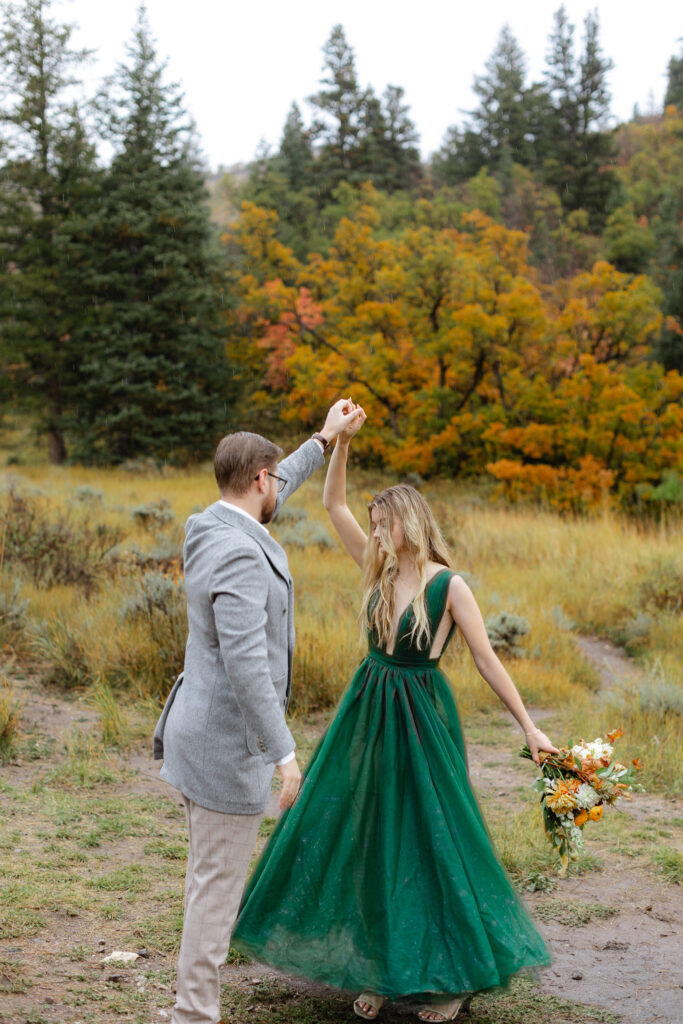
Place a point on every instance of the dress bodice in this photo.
(405, 650)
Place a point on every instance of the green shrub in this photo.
(634, 634)
(148, 467)
(505, 630)
(305, 534)
(88, 495)
(165, 556)
(153, 592)
(652, 694)
(153, 515)
(52, 546)
(561, 619)
(290, 514)
(152, 650)
(666, 495)
(661, 585)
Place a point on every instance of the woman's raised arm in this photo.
(334, 496)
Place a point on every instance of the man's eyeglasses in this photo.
(281, 482)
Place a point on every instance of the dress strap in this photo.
(437, 595)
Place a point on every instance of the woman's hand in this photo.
(348, 432)
(536, 741)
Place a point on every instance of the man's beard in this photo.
(268, 510)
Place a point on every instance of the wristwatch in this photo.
(323, 440)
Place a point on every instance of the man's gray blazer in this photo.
(223, 726)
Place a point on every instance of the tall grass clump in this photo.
(114, 720)
(64, 651)
(13, 609)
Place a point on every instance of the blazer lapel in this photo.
(272, 550)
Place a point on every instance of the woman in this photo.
(382, 875)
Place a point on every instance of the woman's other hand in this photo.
(354, 426)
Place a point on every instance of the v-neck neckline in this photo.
(403, 614)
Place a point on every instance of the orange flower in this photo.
(595, 813)
(581, 818)
(612, 736)
(637, 764)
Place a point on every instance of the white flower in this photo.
(586, 797)
(598, 748)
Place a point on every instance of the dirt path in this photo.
(628, 962)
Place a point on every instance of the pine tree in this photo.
(579, 142)
(295, 158)
(500, 120)
(340, 107)
(155, 378)
(284, 181)
(403, 166)
(46, 182)
(668, 273)
(505, 129)
(674, 86)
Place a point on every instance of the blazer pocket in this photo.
(255, 744)
(158, 751)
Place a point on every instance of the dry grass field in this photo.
(92, 844)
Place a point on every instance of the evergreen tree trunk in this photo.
(56, 444)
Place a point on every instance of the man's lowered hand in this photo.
(290, 774)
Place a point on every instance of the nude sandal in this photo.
(446, 1011)
(372, 999)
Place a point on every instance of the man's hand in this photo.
(291, 781)
(342, 414)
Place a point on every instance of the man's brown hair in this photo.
(240, 457)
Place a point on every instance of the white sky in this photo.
(242, 64)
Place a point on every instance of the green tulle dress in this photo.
(382, 876)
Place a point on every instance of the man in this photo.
(223, 727)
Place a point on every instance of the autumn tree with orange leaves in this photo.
(463, 361)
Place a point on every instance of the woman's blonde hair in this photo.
(424, 543)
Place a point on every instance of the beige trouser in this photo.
(221, 846)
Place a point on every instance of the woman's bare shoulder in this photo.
(458, 589)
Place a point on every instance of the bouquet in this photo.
(575, 785)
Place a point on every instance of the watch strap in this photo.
(323, 440)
